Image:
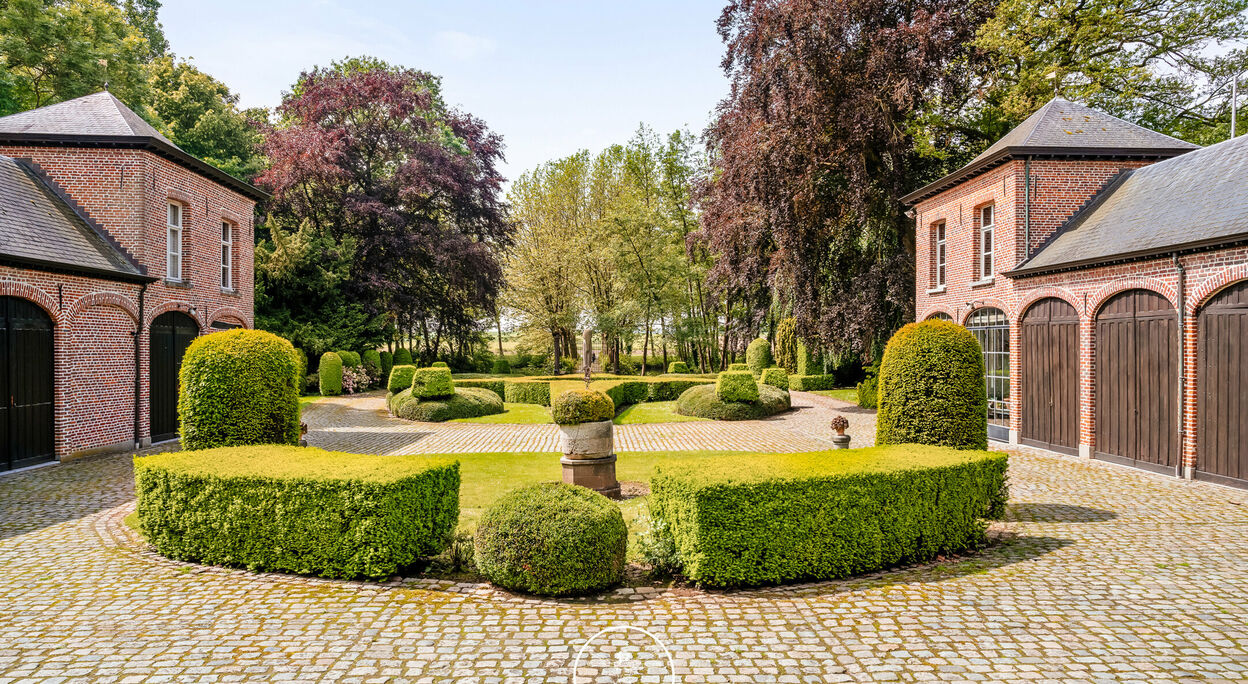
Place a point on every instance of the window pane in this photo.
(986, 219)
(175, 215)
(225, 232)
(225, 277)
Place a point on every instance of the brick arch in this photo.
(228, 312)
(182, 307)
(11, 288)
(988, 303)
(938, 309)
(1048, 292)
(103, 299)
(1152, 284)
(1214, 284)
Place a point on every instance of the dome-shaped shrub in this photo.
(403, 357)
(552, 539)
(577, 406)
(776, 377)
(330, 372)
(758, 355)
(931, 388)
(736, 386)
(350, 359)
(239, 387)
(400, 378)
(701, 402)
(678, 367)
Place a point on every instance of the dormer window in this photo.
(986, 244)
(173, 243)
(227, 256)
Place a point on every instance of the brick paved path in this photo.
(1104, 574)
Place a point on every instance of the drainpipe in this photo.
(1178, 267)
(1027, 208)
(138, 367)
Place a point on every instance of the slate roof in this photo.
(40, 229)
(1061, 129)
(1198, 200)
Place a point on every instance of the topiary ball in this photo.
(758, 355)
(400, 378)
(776, 377)
(330, 373)
(736, 386)
(239, 387)
(552, 539)
(577, 406)
(432, 383)
(931, 388)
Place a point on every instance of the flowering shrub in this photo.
(354, 379)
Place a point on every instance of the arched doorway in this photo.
(992, 329)
(172, 332)
(1222, 433)
(1050, 361)
(1137, 385)
(26, 419)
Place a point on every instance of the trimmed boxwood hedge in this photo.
(736, 386)
(868, 393)
(501, 367)
(573, 407)
(758, 519)
(496, 386)
(438, 364)
(329, 371)
(678, 367)
(931, 388)
(670, 389)
(776, 377)
(239, 387)
(702, 402)
(387, 362)
(628, 392)
(401, 377)
(297, 509)
(758, 355)
(552, 539)
(432, 383)
(466, 402)
(396, 399)
(806, 362)
(527, 392)
(811, 383)
(738, 366)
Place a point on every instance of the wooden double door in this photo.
(171, 334)
(1222, 349)
(1050, 360)
(26, 385)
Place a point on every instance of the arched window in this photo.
(940, 316)
(992, 329)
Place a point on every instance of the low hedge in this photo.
(738, 366)
(807, 364)
(387, 362)
(329, 371)
(702, 402)
(758, 355)
(401, 377)
(759, 519)
(552, 539)
(628, 392)
(811, 383)
(403, 357)
(501, 366)
(736, 386)
(239, 387)
(573, 407)
(396, 399)
(432, 383)
(466, 402)
(678, 367)
(350, 359)
(776, 377)
(496, 386)
(297, 509)
(527, 392)
(670, 389)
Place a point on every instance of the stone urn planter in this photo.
(840, 440)
(587, 440)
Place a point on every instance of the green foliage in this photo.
(299, 510)
(438, 364)
(401, 378)
(759, 519)
(552, 539)
(501, 367)
(432, 383)
(931, 388)
(868, 393)
(303, 362)
(677, 367)
(703, 402)
(496, 386)
(628, 392)
(396, 399)
(738, 366)
(670, 389)
(403, 357)
(372, 363)
(239, 387)
(330, 372)
(527, 392)
(350, 359)
(812, 383)
(806, 362)
(464, 402)
(786, 345)
(573, 407)
(387, 363)
(776, 377)
(736, 386)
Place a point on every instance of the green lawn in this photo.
(514, 414)
(848, 394)
(652, 412)
(304, 401)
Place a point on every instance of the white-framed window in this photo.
(986, 245)
(173, 243)
(227, 256)
(941, 246)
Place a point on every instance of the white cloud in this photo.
(462, 45)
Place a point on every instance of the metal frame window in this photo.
(941, 251)
(227, 256)
(986, 244)
(992, 329)
(173, 242)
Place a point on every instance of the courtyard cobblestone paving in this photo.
(1100, 574)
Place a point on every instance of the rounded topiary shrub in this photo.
(465, 402)
(400, 378)
(501, 367)
(403, 357)
(330, 373)
(702, 402)
(387, 362)
(239, 387)
(738, 366)
(577, 406)
(678, 367)
(350, 359)
(431, 383)
(758, 355)
(736, 386)
(931, 388)
(776, 377)
(372, 363)
(552, 539)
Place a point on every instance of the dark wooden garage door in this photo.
(1222, 434)
(25, 384)
(1051, 376)
(1137, 369)
(172, 333)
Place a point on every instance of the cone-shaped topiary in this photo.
(776, 377)
(758, 355)
(931, 388)
(577, 406)
(786, 345)
(678, 367)
(239, 387)
(432, 383)
(736, 386)
(400, 378)
(552, 539)
(330, 373)
(403, 357)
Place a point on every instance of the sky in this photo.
(551, 77)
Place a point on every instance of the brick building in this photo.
(117, 248)
(1104, 269)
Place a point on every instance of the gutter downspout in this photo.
(1027, 208)
(1179, 470)
(138, 367)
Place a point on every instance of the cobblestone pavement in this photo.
(361, 424)
(1101, 574)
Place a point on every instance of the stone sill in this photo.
(937, 291)
(983, 282)
(183, 284)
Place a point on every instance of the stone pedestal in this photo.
(840, 441)
(588, 456)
